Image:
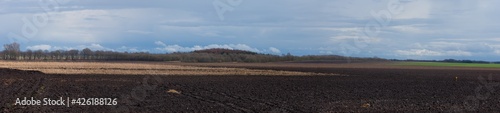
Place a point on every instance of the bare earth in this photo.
(369, 87)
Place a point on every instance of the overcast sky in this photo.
(402, 29)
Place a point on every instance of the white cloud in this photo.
(177, 48)
(426, 52)
(418, 52)
(472, 47)
(415, 28)
(130, 49)
(94, 47)
(78, 47)
(160, 43)
(458, 53)
(40, 47)
(274, 50)
(442, 48)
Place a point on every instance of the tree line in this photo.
(450, 61)
(12, 52)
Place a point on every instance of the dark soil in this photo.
(360, 90)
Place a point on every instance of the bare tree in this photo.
(46, 54)
(38, 54)
(86, 53)
(29, 54)
(98, 55)
(11, 51)
(73, 53)
(57, 54)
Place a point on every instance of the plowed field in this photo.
(350, 90)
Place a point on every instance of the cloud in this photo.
(160, 43)
(426, 27)
(418, 52)
(416, 9)
(78, 47)
(426, 52)
(354, 38)
(94, 47)
(274, 50)
(139, 32)
(326, 52)
(493, 39)
(39, 47)
(99, 25)
(343, 37)
(177, 48)
(130, 49)
(85, 25)
(445, 49)
(415, 28)
(497, 52)
(473, 47)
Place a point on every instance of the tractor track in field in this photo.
(25, 87)
(234, 106)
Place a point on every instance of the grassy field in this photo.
(444, 64)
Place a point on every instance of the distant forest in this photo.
(12, 52)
